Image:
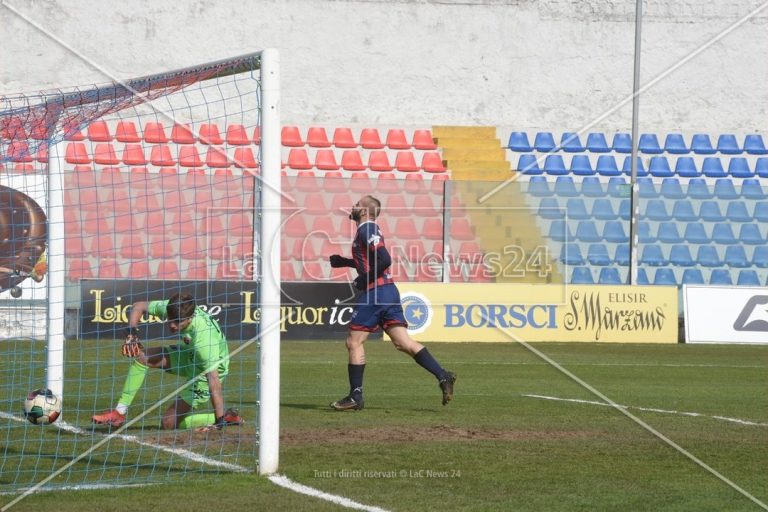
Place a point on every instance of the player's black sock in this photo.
(355, 372)
(426, 361)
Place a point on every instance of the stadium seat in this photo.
(720, 276)
(79, 269)
(649, 144)
(571, 255)
(378, 161)
(518, 141)
(257, 135)
(723, 234)
(422, 139)
(209, 133)
(749, 234)
(642, 277)
(424, 207)
(596, 143)
(167, 269)
(216, 158)
(668, 233)
(675, 144)
(326, 227)
(624, 210)
(606, 166)
(414, 184)
(388, 184)
(570, 143)
(582, 275)
(626, 167)
(139, 270)
(586, 231)
(160, 156)
(351, 160)
(160, 247)
(126, 132)
(237, 135)
(189, 156)
(565, 187)
(432, 230)
(538, 186)
(618, 187)
(432, 162)
(196, 271)
(343, 138)
(370, 139)
(182, 134)
(554, 165)
(406, 162)
(656, 209)
(754, 145)
(707, 256)
(581, 166)
(602, 209)
(597, 255)
(724, 189)
(621, 255)
(549, 208)
(395, 207)
(396, 139)
(645, 235)
(752, 189)
(659, 167)
(559, 231)
(104, 154)
(748, 278)
(709, 211)
(737, 212)
(528, 164)
(317, 137)
(652, 255)
(76, 153)
(243, 158)
(609, 275)
(576, 209)
(613, 232)
(591, 187)
(671, 189)
(685, 167)
(544, 142)
(325, 160)
(680, 256)
(664, 276)
(133, 154)
(622, 143)
(461, 229)
(761, 167)
(98, 131)
(315, 204)
(738, 167)
(291, 137)
(298, 159)
(736, 256)
(702, 145)
(698, 189)
(692, 276)
(727, 145)
(71, 131)
(109, 268)
(760, 256)
(713, 168)
(647, 188)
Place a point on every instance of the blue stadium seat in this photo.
(602, 209)
(702, 145)
(622, 143)
(668, 233)
(659, 167)
(571, 255)
(565, 187)
(707, 256)
(549, 208)
(664, 276)
(760, 256)
(559, 231)
(737, 212)
(752, 189)
(652, 256)
(527, 164)
(538, 186)
(720, 276)
(644, 233)
(582, 275)
(760, 213)
(675, 144)
(576, 209)
(748, 278)
(680, 256)
(695, 233)
(596, 143)
(613, 232)
(685, 167)
(597, 255)
(671, 189)
(749, 234)
(698, 189)
(736, 256)
(621, 256)
(554, 165)
(642, 277)
(713, 168)
(625, 211)
(682, 211)
(754, 145)
(656, 209)
(692, 276)
(618, 187)
(626, 167)
(586, 231)
(723, 234)
(761, 167)
(609, 275)
(591, 187)
(709, 211)
(570, 143)
(649, 144)
(544, 142)
(738, 167)
(581, 166)
(724, 189)
(727, 145)
(646, 188)
(518, 141)
(606, 166)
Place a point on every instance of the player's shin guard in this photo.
(133, 382)
(355, 372)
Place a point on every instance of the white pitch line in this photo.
(284, 481)
(83, 487)
(652, 409)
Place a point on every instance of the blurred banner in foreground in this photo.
(725, 314)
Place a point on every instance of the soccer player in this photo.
(378, 306)
(202, 357)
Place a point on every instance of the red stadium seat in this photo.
(437, 184)
(306, 181)
(154, 133)
(109, 269)
(76, 153)
(112, 177)
(182, 134)
(304, 249)
(387, 184)
(423, 206)
(415, 252)
(244, 159)
(325, 159)
(396, 139)
(79, 269)
(98, 131)
(240, 224)
(72, 131)
(432, 162)
(341, 205)
(287, 272)
(470, 252)
(291, 137)
(433, 229)
(160, 156)
(298, 159)
(257, 135)
(414, 184)
(395, 206)
(379, 161)
(139, 171)
(422, 139)
(18, 151)
(406, 229)
(126, 132)
(323, 227)
(216, 157)
(190, 248)
(168, 269)
(155, 224)
(117, 200)
(104, 154)
(133, 154)
(95, 224)
(314, 204)
(351, 160)
(139, 270)
(461, 229)
(237, 135)
(328, 248)
(295, 226)
(197, 271)
(360, 184)
(334, 183)
(42, 153)
(317, 137)
(125, 221)
(189, 157)
(406, 162)
(209, 134)
(312, 271)
(342, 138)
(12, 128)
(370, 139)
(74, 246)
(161, 248)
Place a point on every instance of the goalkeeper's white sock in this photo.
(122, 409)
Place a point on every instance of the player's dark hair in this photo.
(180, 307)
(374, 207)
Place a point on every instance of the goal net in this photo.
(133, 192)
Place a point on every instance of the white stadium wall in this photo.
(553, 64)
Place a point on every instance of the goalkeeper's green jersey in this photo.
(204, 345)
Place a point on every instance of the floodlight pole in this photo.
(634, 205)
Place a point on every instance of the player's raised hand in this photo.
(338, 261)
(132, 347)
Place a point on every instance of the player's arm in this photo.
(132, 347)
(217, 398)
(379, 261)
(340, 261)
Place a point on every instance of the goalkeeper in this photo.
(202, 357)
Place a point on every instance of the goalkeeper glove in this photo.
(132, 347)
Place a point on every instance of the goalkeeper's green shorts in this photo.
(198, 393)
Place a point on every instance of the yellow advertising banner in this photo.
(535, 312)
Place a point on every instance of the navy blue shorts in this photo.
(378, 307)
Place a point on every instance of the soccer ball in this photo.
(42, 407)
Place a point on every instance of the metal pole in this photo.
(634, 206)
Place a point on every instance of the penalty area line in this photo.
(284, 481)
